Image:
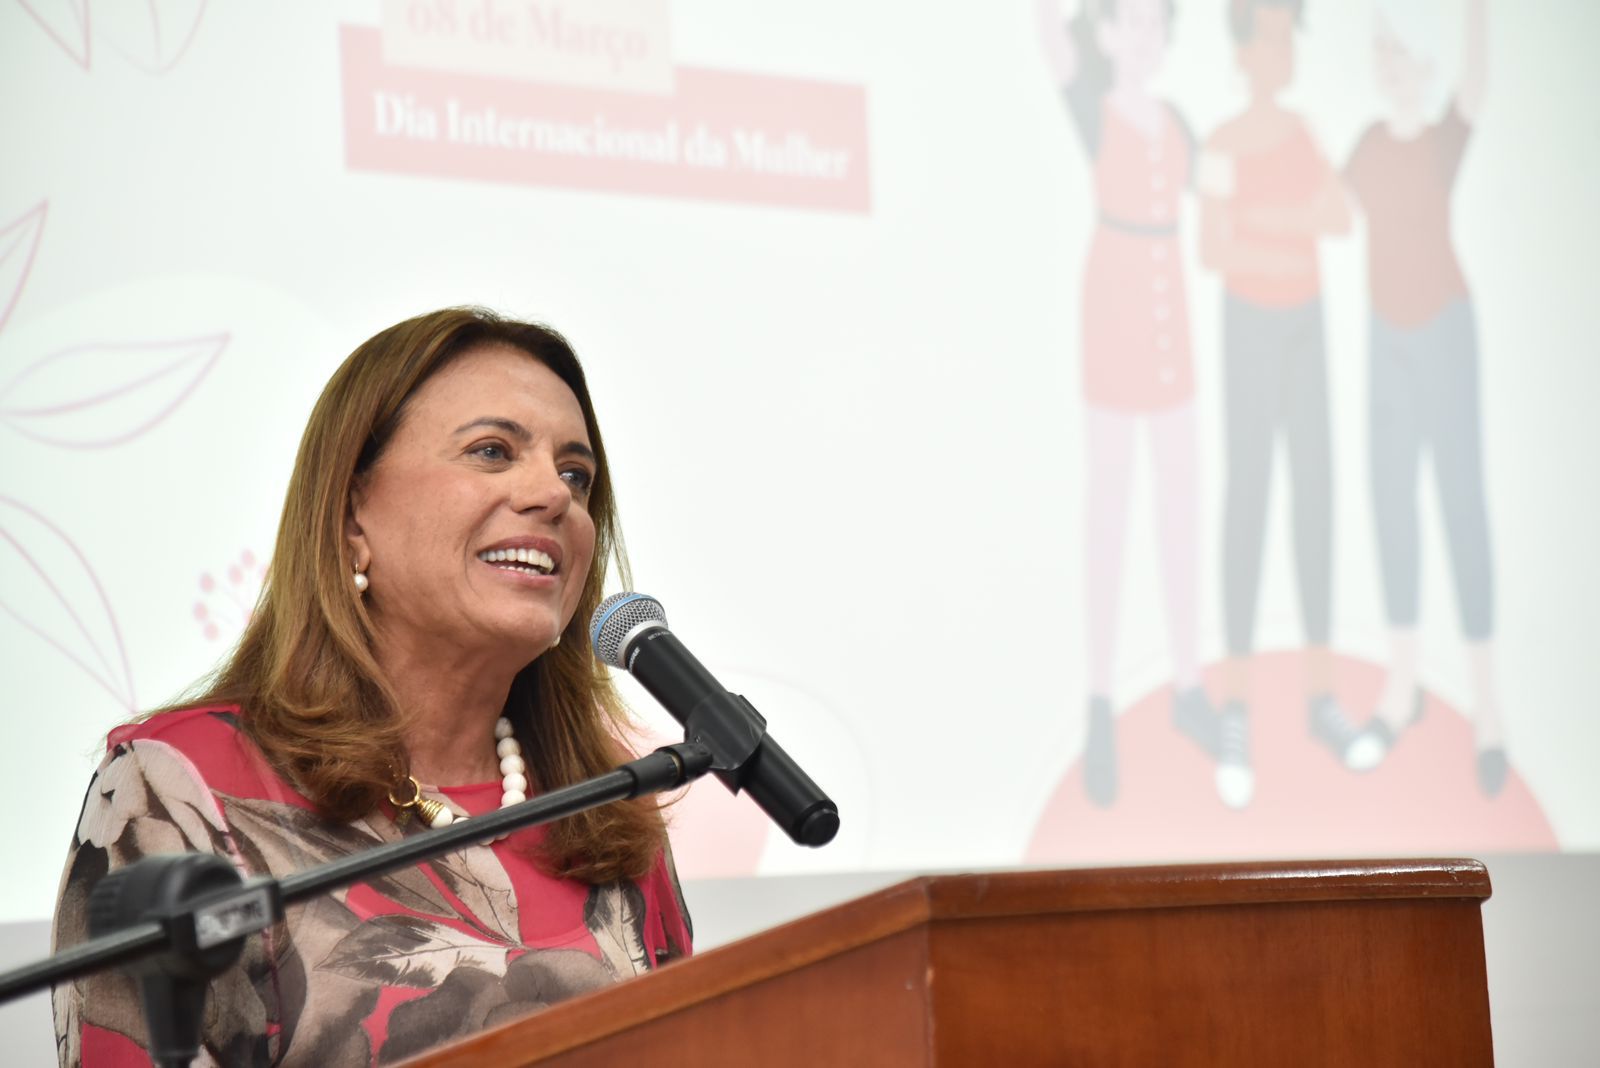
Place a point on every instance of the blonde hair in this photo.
(311, 694)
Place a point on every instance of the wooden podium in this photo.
(1336, 963)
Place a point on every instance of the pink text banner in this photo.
(718, 136)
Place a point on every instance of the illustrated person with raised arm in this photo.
(1423, 388)
(1267, 196)
(1138, 377)
(418, 655)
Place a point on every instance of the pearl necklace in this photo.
(513, 782)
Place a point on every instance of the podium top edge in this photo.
(1195, 885)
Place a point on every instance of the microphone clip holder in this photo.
(728, 726)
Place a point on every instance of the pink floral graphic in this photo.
(81, 396)
(19, 240)
(224, 608)
(48, 586)
(67, 23)
(97, 393)
(153, 36)
(105, 393)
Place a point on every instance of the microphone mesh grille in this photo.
(616, 617)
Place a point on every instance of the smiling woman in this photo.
(418, 651)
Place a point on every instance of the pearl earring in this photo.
(556, 642)
(361, 582)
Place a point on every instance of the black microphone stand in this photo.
(180, 919)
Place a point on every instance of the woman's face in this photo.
(1267, 58)
(1135, 39)
(473, 523)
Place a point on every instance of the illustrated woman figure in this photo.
(1138, 377)
(1424, 358)
(1267, 196)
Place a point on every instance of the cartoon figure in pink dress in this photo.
(1267, 196)
(1137, 372)
(1424, 358)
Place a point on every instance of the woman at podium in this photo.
(418, 655)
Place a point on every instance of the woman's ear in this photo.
(360, 551)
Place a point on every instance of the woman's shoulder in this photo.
(206, 743)
(197, 724)
(202, 735)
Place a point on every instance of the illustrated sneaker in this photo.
(1376, 739)
(1236, 781)
(1359, 749)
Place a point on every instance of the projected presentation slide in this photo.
(1088, 433)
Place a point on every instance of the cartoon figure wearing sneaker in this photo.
(1424, 357)
(1267, 196)
(1138, 378)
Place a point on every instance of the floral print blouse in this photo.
(365, 975)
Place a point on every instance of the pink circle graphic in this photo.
(1424, 799)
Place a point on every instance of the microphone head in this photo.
(615, 622)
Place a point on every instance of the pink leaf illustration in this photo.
(100, 394)
(47, 586)
(152, 35)
(67, 23)
(18, 243)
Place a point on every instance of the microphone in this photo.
(629, 631)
